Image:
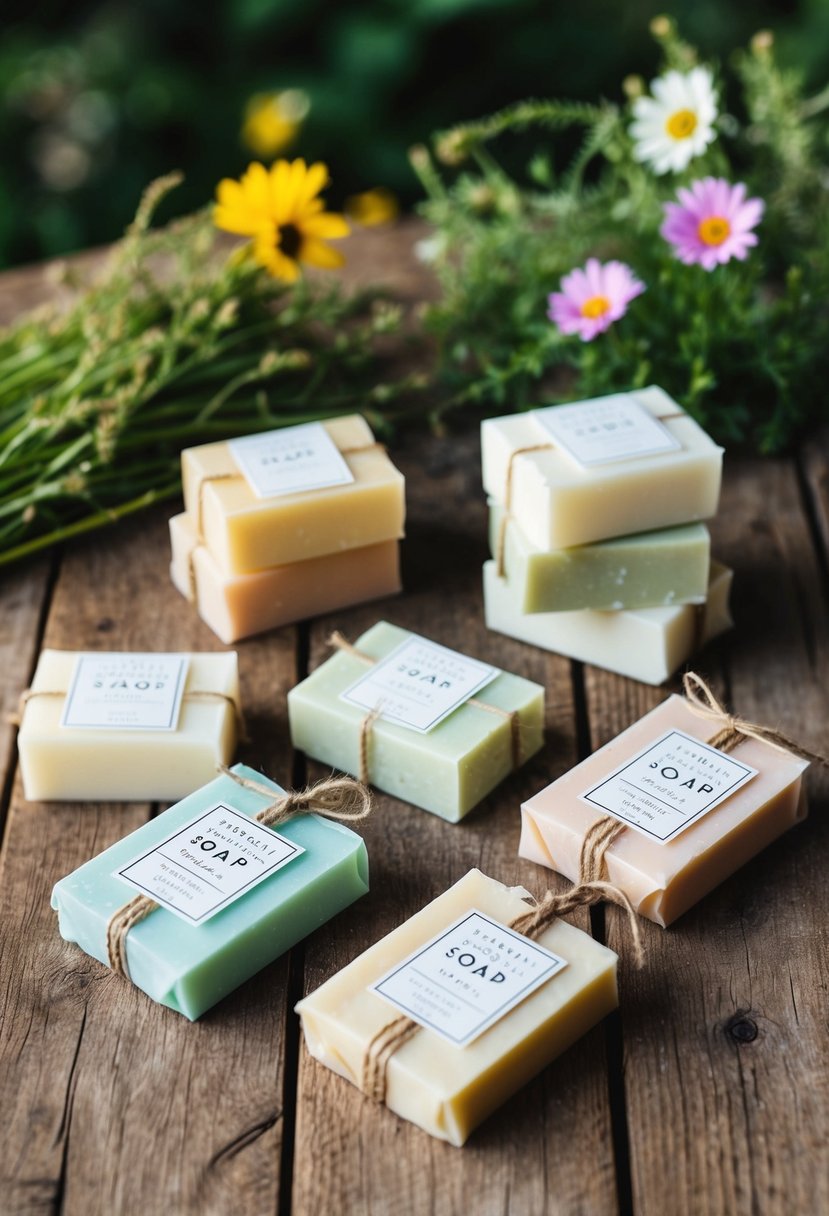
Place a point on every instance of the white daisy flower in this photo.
(677, 122)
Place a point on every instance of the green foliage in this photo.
(175, 344)
(744, 347)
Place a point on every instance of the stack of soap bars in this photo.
(598, 549)
(287, 525)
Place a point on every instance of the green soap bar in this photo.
(648, 570)
(189, 967)
(447, 770)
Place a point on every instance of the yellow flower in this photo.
(279, 209)
(272, 120)
(373, 207)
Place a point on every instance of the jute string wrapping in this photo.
(730, 732)
(339, 798)
(194, 694)
(532, 923)
(338, 642)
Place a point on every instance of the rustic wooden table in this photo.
(707, 1093)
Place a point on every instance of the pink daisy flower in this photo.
(592, 298)
(712, 223)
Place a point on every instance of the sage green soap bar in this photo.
(647, 570)
(447, 770)
(189, 967)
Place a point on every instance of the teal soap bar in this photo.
(447, 770)
(189, 967)
(648, 570)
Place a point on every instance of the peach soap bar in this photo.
(647, 644)
(240, 605)
(663, 880)
(246, 533)
(558, 501)
(106, 764)
(432, 1082)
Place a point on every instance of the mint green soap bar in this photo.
(447, 770)
(189, 967)
(647, 570)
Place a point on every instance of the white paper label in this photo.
(606, 429)
(125, 692)
(468, 977)
(419, 683)
(669, 785)
(289, 461)
(208, 863)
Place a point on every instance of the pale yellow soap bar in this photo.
(557, 502)
(445, 1089)
(60, 763)
(238, 606)
(246, 534)
(664, 880)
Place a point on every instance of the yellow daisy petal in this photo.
(316, 253)
(255, 186)
(316, 179)
(236, 220)
(326, 224)
(279, 191)
(229, 192)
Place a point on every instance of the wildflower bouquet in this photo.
(178, 344)
(686, 243)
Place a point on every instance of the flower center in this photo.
(595, 307)
(290, 239)
(714, 230)
(681, 124)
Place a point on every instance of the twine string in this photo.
(193, 694)
(501, 542)
(396, 1033)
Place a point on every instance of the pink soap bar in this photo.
(663, 880)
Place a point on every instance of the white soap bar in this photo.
(648, 644)
(558, 502)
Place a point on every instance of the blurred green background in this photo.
(97, 99)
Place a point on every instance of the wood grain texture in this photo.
(92, 1070)
(351, 1156)
(725, 1051)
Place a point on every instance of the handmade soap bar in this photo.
(663, 880)
(99, 761)
(647, 570)
(559, 501)
(237, 606)
(448, 768)
(246, 533)
(648, 644)
(444, 1088)
(190, 966)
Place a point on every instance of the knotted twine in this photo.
(338, 642)
(731, 731)
(193, 694)
(391, 1037)
(340, 798)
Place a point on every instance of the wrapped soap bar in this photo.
(426, 724)
(113, 727)
(289, 495)
(492, 1007)
(647, 570)
(238, 606)
(227, 894)
(612, 466)
(689, 815)
(647, 644)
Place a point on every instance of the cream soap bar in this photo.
(448, 769)
(559, 502)
(246, 533)
(106, 764)
(443, 1088)
(648, 570)
(663, 880)
(238, 606)
(191, 966)
(648, 644)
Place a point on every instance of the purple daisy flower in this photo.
(712, 223)
(593, 297)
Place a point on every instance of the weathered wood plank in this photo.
(351, 1156)
(726, 1056)
(91, 1068)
